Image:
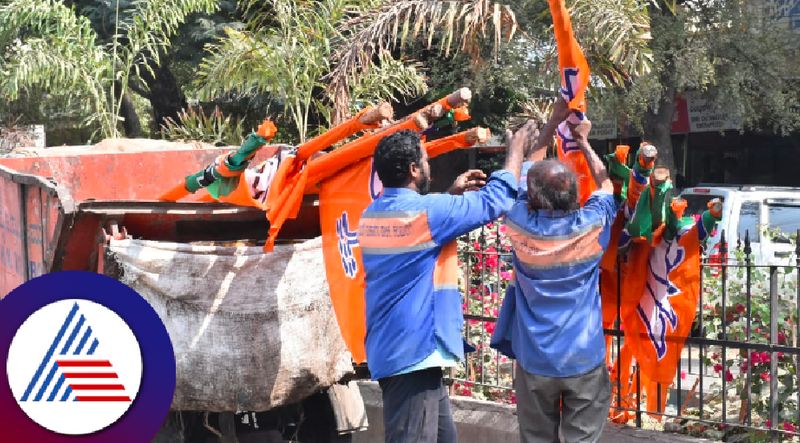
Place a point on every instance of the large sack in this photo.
(251, 331)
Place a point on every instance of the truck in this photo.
(768, 215)
(70, 208)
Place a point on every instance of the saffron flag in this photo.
(343, 198)
(574, 72)
(657, 327)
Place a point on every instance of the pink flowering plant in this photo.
(750, 323)
(485, 260)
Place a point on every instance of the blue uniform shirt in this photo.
(409, 250)
(551, 319)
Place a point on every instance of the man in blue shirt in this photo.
(551, 319)
(414, 316)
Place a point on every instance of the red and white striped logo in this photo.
(74, 367)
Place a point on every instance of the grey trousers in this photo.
(580, 418)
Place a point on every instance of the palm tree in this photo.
(47, 47)
(391, 24)
(285, 53)
(615, 35)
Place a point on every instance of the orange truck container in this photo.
(57, 208)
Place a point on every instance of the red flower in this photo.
(768, 423)
(717, 368)
(728, 375)
(781, 338)
(789, 426)
(715, 356)
(755, 357)
(740, 308)
(683, 375)
(765, 357)
(765, 376)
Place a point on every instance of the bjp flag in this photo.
(343, 198)
(657, 327)
(574, 72)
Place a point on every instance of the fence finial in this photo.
(747, 249)
(797, 245)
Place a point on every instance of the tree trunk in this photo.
(131, 125)
(166, 97)
(668, 34)
(658, 127)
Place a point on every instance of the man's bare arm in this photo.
(517, 142)
(538, 150)
(580, 134)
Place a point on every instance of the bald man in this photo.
(551, 320)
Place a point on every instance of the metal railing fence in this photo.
(738, 372)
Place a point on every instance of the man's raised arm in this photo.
(580, 133)
(538, 149)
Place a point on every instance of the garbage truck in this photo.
(257, 345)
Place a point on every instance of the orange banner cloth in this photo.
(574, 71)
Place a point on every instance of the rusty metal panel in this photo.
(53, 208)
(120, 175)
(12, 264)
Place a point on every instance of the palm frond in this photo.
(615, 35)
(153, 23)
(44, 17)
(390, 79)
(58, 54)
(394, 23)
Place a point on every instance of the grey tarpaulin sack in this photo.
(251, 330)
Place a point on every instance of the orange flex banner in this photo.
(574, 71)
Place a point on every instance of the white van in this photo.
(770, 214)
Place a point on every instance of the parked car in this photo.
(770, 214)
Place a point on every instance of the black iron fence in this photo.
(737, 378)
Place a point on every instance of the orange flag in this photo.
(343, 198)
(658, 325)
(574, 72)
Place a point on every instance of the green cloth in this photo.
(238, 160)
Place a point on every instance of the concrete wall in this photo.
(487, 422)
(476, 421)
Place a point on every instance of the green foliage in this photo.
(47, 47)
(462, 25)
(615, 35)
(288, 60)
(59, 55)
(214, 128)
(733, 52)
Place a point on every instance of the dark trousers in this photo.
(416, 408)
(575, 406)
